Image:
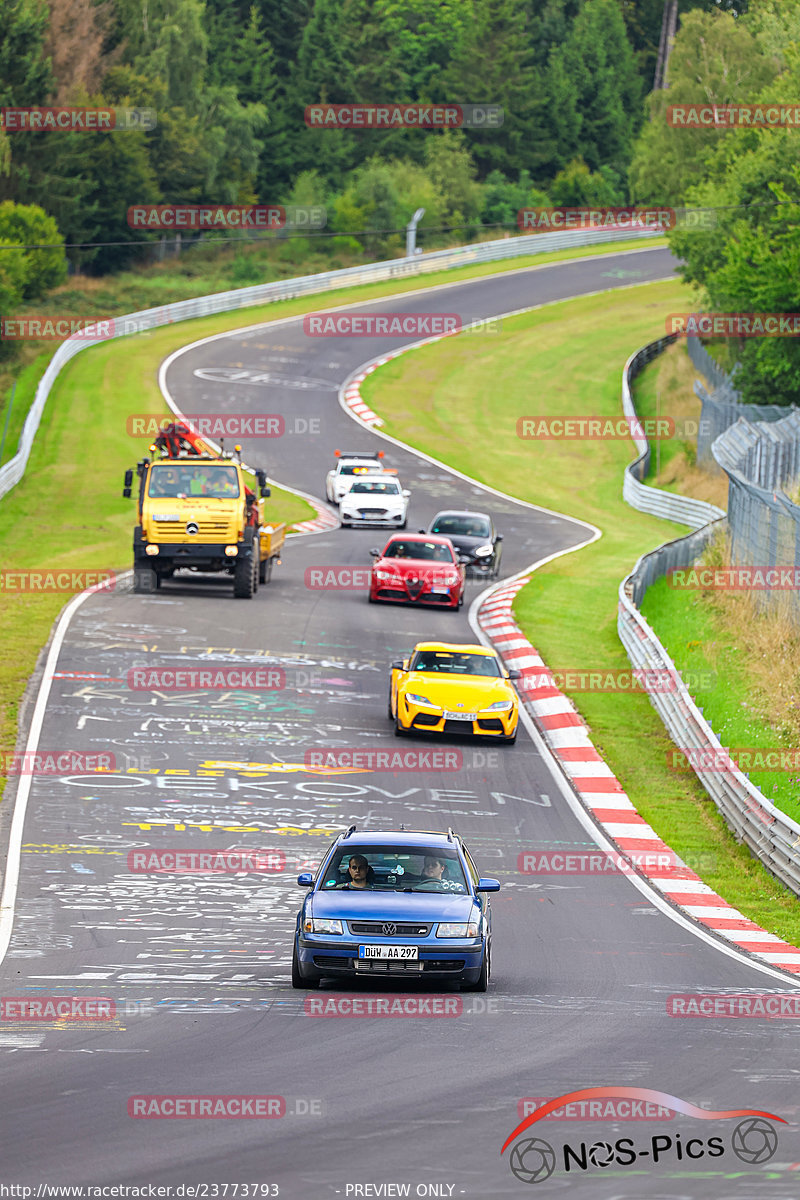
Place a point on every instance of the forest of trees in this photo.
(230, 80)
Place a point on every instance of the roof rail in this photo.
(352, 829)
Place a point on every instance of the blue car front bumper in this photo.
(457, 959)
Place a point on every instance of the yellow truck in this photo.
(197, 511)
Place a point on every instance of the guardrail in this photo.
(770, 835)
(669, 505)
(288, 289)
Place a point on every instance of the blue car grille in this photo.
(382, 929)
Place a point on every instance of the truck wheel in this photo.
(145, 580)
(243, 579)
(265, 570)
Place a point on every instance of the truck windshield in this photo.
(201, 479)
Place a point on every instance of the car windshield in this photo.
(455, 664)
(395, 868)
(197, 480)
(360, 469)
(383, 486)
(426, 551)
(466, 526)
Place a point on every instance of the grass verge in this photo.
(569, 608)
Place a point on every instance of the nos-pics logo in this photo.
(533, 1160)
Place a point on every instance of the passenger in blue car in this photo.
(360, 872)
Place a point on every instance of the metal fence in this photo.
(263, 293)
(765, 452)
(659, 503)
(771, 836)
(723, 406)
(760, 460)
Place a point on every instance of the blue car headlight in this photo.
(459, 929)
(321, 925)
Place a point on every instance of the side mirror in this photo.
(514, 673)
(406, 493)
(398, 665)
(498, 537)
(464, 558)
(265, 491)
(126, 491)
(306, 879)
(422, 531)
(486, 885)
(375, 553)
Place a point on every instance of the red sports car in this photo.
(418, 569)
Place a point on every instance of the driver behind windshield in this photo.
(360, 872)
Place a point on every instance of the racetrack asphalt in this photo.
(198, 967)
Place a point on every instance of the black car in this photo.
(474, 536)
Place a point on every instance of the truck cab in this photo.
(198, 511)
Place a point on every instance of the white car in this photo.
(375, 500)
(351, 466)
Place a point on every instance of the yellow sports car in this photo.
(451, 688)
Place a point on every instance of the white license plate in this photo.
(460, 716)
(388, 952)
(440, 591)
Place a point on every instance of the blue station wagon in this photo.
(407, 905)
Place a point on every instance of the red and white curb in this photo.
(602, 794)
(323, 521)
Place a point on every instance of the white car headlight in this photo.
(387, 576)
(499, 706)
(459, 929)
(422, 700)
(321, 925)
(484, 551)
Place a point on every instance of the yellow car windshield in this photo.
(455, 664)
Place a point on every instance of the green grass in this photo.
(459, 400)
(700, 640)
